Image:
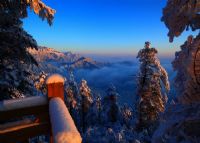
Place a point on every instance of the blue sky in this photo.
(108, 27)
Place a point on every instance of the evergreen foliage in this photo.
(151, 98)
(16, 77)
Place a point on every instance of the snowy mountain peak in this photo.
(53, 60)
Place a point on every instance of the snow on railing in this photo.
(63, 127)
(56, 117)
(23, 103)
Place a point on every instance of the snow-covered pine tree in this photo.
(85, 92)
(74, 87)
(98, 108)
(112, 126)
(14, 59)
(110, 111)
(40, 84)
(73, 98)
(126, 115)
(70, 100)
(86, 101)
(94, 113)
(151, 99)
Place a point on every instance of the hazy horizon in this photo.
(109, 57)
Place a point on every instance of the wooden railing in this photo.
(21, 119)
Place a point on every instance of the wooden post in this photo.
(21, 127)
(55, 86)
(63, 127)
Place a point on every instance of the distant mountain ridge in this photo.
(55, 59)
(48, 54)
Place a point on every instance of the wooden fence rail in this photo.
(21, 119)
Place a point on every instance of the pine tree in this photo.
(71, 91)
(40, 84)
(73, 98)
(151, 99)
(110, 111)
(94, 113)
(70, 100)
(74, 87)
(85, 92)
(126, 115)
(15, 61)
(86, 101)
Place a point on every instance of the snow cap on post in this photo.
(55, 78)
(55, 86)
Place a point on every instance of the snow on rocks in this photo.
(180, 123)
(186, 84)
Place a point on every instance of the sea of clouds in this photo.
(123, 75)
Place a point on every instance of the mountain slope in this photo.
(50, 59)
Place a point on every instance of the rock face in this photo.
(187, 65)
(180, 123)
(179, 15)
(152, 99)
